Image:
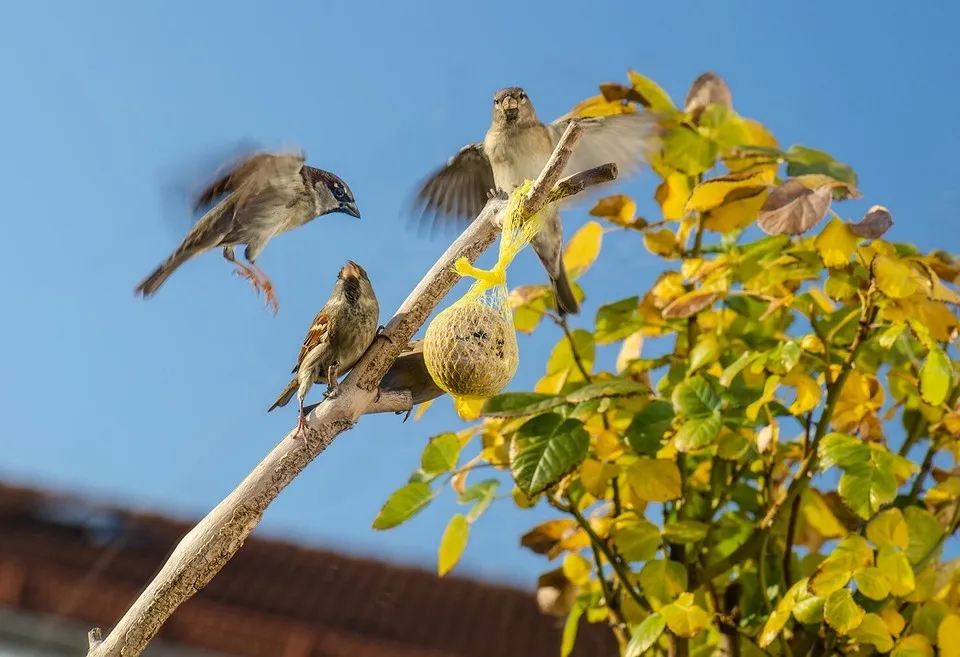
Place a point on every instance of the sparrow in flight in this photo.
(256, 199)
(516, 148)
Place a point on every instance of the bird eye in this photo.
(338, 191)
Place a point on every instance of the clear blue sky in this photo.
(162, 403)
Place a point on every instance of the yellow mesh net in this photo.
(470, 348)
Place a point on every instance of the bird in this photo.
(256, 198)
(516, 148)
(339, 335)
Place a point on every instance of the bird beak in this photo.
(351, 270)
(511, 107)
(351, 209)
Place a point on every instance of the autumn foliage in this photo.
(769, 469)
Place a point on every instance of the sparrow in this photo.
(516, 148)
(408, 372)
(257, 198)
(339, 335)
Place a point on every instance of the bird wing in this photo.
(316, 335)
(250, 175)
(624, 139)
(458, 190)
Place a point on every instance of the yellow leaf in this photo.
(948, 636)
(657, 98)
(872, 583)
(619, 209)
(452, 544)
(684, 617)
(822, 299)
(629, 350)
(893, 620)
(595, 477)
(468, 408)
(655, 480)
(599, 106)
(831, 576)
(736, 214)
(872, 630)
(888, 528)
(841, 612)
(935, 377)
(915, 645)
(583, 248)
(577, 569)
(894, 277)
(672, 195)
(808, 394)
(778, 619)
(757, 135)
(608, 445)
(721, 190)
(897, 569)
(836, 243)
(817, 520)
(661, 243)
(422, 408)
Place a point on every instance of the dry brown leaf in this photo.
(874, 224)
(613, 92)
(690, 304)
(707, 89)
(793, 209)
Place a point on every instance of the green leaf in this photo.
(646, 430)
(638, 540)
(685, 531)
(843, 451)
(452, 544)
(896, 568)
(874, 631)
(562, 360)
(872, 583)
(687, 151)
(482, 493)
(889, 528)
(706, 351)
(519, 404)
(403, 504)
(935, 377)
(617, 320)
(784, 358)
(645, 636)
(662, 581)
(545, 449)
(569, 637)
(924, 531)
(865, 488)
(732, 370)
(802, 161)
(809, 608)
(695, 398)
(927, 619)
(841, 612)
(698, 432)
(655, 480)
(441, 454)
(915, 645)
(611, 388)
(684, 617)
(779, 617)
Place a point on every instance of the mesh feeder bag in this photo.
(470, 348)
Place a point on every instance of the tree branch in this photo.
(207, 547)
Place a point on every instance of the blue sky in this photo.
(161, 404)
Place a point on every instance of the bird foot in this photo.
(260, 283)
(497, 194)
(302, 428)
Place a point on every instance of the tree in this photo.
(764, 471)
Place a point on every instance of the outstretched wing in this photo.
(319, 330)
(250, 175)
(457, 192)
(624, 139)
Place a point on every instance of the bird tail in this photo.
(285, 396)
(149, 286)
(566, 302)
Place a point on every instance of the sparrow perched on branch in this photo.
(258, 198)
(516, 148)
(340, 334)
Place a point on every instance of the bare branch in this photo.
(207, 547)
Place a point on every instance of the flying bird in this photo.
(256, 199)
(516, 148)
(339, 335)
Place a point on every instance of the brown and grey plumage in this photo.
(339, 335)
(256, 199)
(516, 147)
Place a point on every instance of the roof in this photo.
(60, 555)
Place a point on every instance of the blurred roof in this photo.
(86, 562)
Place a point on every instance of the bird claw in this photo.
(497, 194)
(302, 428)
(260, 283)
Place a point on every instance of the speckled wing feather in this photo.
(457, 192)
(624, 139)
(319, 330)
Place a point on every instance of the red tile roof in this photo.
(273, 599)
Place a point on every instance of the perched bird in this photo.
(516, 147)
(257, 198)
(340, 334)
